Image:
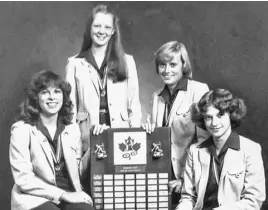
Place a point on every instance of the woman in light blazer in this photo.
(45, 149)
(171, 106)
(105, 89)
(226, 171)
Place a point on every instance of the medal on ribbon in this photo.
(103, 83)
(57, 156)
(57, 167)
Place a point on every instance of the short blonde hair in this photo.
(165, 54)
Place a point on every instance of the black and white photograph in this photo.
(133, 105)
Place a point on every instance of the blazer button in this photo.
(112, 119)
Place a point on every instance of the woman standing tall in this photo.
(105, 89)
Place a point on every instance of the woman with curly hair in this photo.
(45, 149)
(225, 171)
(105, 89)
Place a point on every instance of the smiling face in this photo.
(50, 101)
(102, 29)
(217, 124)
(171, 71)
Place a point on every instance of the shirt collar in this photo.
(232, 142)
(90, 58)
(60, 127)
(181, 85)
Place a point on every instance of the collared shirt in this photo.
(104, 117)
(211, 194)
(62, 177)
(170, 98)
(90, 58)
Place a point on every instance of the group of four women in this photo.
(50, 140)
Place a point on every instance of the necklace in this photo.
(103, 83)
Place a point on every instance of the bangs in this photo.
(165, 57)
(50, 83)
(46, 81)
(219, 99)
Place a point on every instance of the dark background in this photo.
(227, 41)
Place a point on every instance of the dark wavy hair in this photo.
(165, 53)
(29, 109)
(115, 53)
(224, 101)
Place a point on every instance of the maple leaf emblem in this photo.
(136, 146)
(122, 147)
(129, 145)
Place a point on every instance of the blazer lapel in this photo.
(93, 74)
(45, 146)
(68, 153)
(160, 111)
(176, 105)
(204, 158)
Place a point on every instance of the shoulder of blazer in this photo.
(157, 92)
(73, 60)
(129, 60)
(193, 84)
(248, 145)
(22, 125)
(194, 147)
(128, 57)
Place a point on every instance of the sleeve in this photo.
(22, 168)
(253, 194)
(154, 108)
(82, 159)
(134, 106)
(70, 78)
(201, 134)
(188, 193)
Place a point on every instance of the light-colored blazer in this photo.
(242, 181)
(33, 168)
(123, 97)
(183, 130)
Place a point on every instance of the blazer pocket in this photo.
(184, 114)
(83, 121)
(184, 117)
(235, 172)
(124, 116)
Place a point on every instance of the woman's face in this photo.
(171, 72)
(217, 124)
(50, 101)
(102, 29)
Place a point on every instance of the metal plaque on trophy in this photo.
(130, 169)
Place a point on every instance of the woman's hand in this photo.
(76, 197)
(148, 126)
(175, 186)
(99, 128)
